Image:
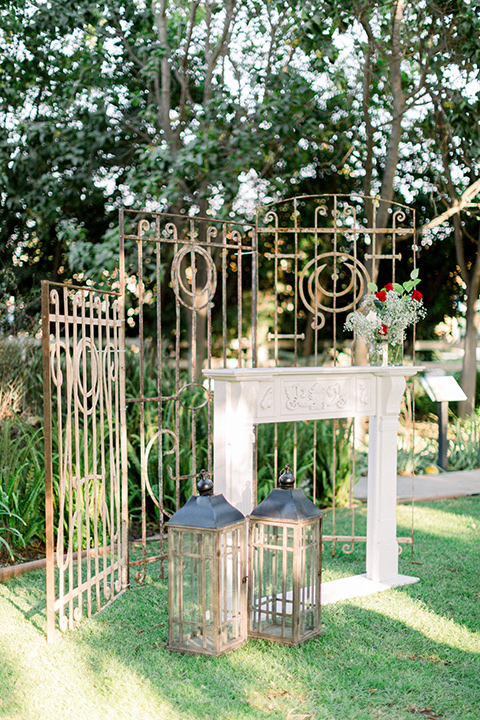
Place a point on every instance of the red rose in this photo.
(381, 295)
(388, 287)
(416, 295)
(383, 330)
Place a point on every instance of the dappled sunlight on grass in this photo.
(389, 655)
(441, 523)
(64, 682)
(416, 615)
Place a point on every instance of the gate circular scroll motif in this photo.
(201, 296)
(350, 279)
(193, 396)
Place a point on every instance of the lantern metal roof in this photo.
(206, 510)
(287, 502)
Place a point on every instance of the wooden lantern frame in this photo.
(285, 567)
(207, 561)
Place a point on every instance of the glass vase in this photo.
(377, 354)
(395, 354)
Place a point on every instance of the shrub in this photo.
(22, 484)
(312, 443)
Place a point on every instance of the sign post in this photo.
(442, 389)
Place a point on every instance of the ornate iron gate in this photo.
(191, 301)
(85, 446)
(320, 252)
(194, 299)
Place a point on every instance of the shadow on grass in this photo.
(27, 594)
(400, 653)
(447, 544)
(367, 660)
(397, 654)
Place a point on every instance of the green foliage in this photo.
(7, 517)
(21, 381)
(22, 484)
(312, 443)
(402, 289)
(22, 474)
(176, 419)
(464, 442)
(117, 102)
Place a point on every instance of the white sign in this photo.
(442, 388)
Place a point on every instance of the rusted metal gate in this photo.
(319, 253)
(85, 480)
(196, 293)
(191, 304)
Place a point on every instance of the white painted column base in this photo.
(359, 586)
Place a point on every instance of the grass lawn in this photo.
(411, 652)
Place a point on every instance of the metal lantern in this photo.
(207, 560)
(285, 550)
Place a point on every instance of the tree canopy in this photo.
(183, 106)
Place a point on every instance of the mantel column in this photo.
(234, 457)
(382, 546)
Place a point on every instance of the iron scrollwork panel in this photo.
(87, 554)
(191, 295)
(322, 251)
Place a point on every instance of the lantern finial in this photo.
(204, 485)
(287, 479)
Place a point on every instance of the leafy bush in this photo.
(22, 484)
(313, 444)
(464, 443)
(176, 419)
(21, 380)
(6, 517)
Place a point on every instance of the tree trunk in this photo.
(469, 369)
(394, 58)
(471, 277)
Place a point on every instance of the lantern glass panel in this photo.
(207, 562)
(232, 611)
(285, 577)
(309, 601)
(272, 570)
(192, 621)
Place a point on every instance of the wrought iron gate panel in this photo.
(84, 397)
(321, 252)
(194, 299)
(191, 295)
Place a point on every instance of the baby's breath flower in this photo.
(385, 314)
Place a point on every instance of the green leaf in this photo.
(398, 288)
(372, 287)
(414, 274)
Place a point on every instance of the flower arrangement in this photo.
(385, 314)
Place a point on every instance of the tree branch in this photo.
(211, 56)
(182, 73)
(366, 100)
(391, 160)
(136, 60)
(456, 207)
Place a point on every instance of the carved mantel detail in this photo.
(315, 396)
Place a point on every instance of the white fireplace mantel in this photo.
(246, 397)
